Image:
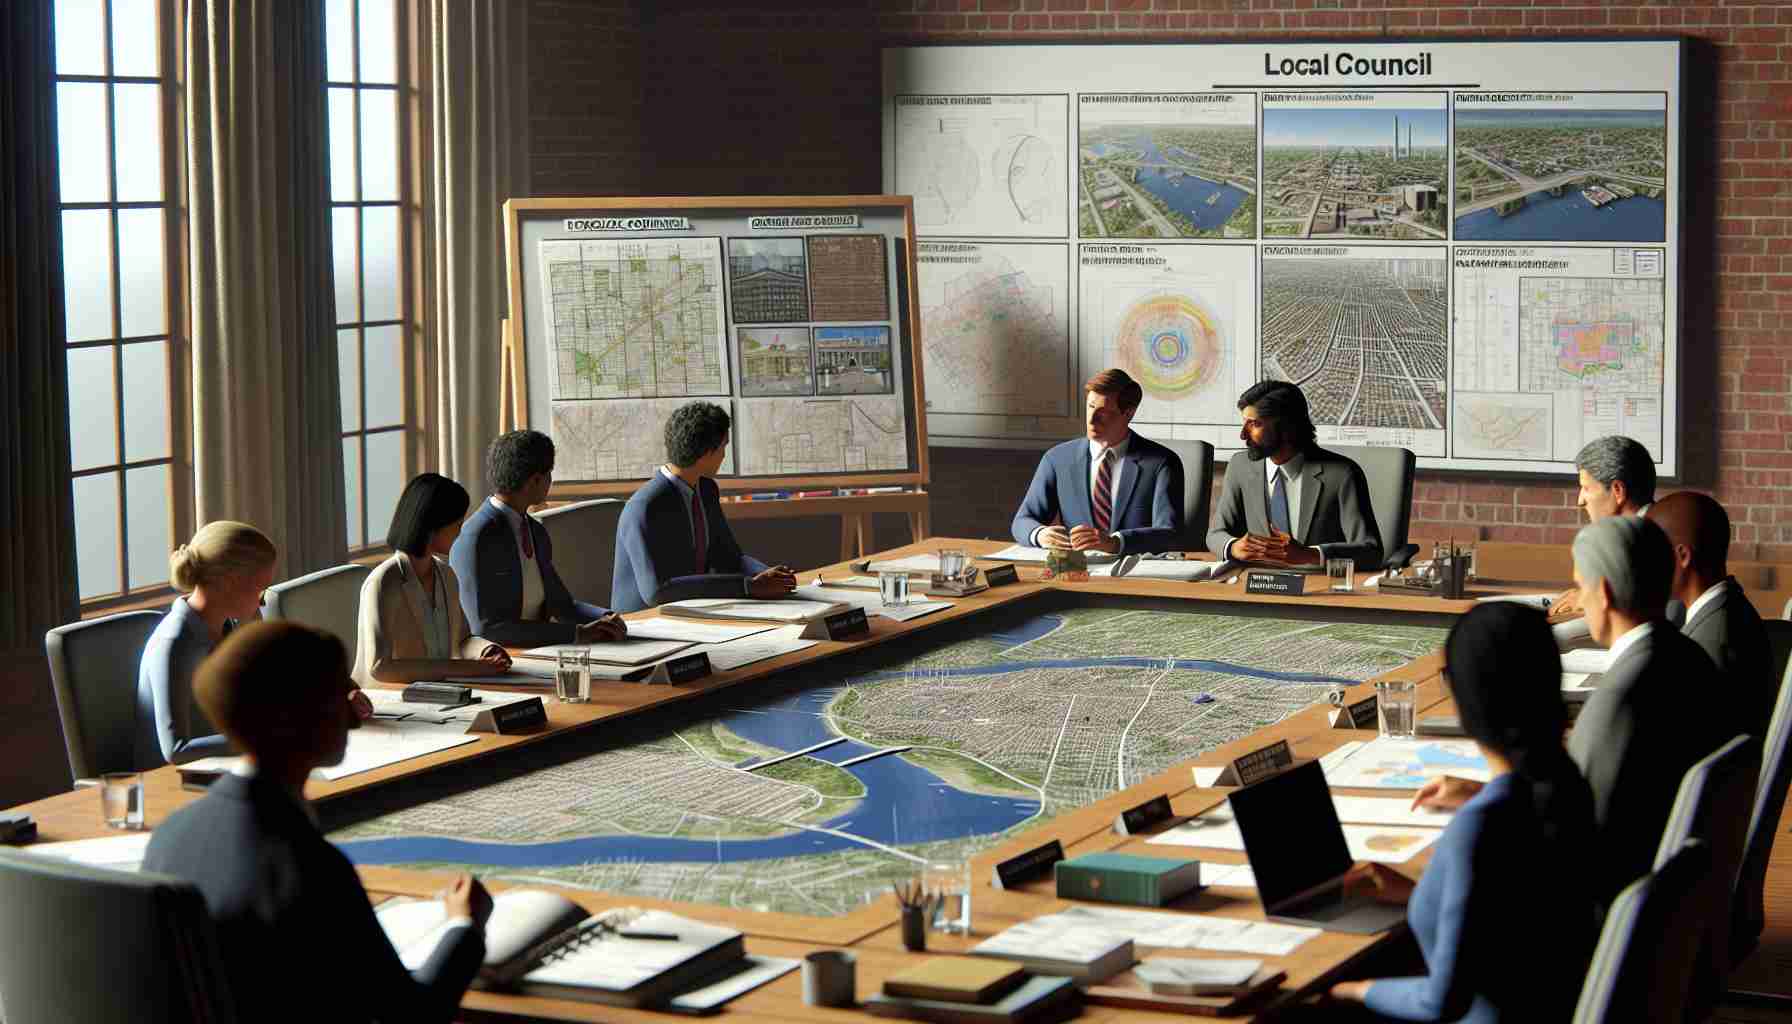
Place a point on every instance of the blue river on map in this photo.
(1184, 193)
(904, 803)
(1569, 217)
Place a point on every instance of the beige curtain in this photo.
(478, 123)
(266, 414)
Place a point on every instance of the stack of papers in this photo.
(1380, 843)
(390, 705)
(380, 742)
(782, 610)
(1173, 931)
(872, 602)
(1023, 553)
(120, 853)
(630, 650)
(923, 564)
(1388, 763)
(697, 632)
(725, 657)
(1135, 567)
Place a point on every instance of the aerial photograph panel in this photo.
(1357, 167)
(1167, 166)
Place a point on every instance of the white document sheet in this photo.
(871, 602)
(782, 610)
(1388, 810)
(630, 650)
(1382, 844)
(1133, 567)
(539, 674)
(391, 704)
(1387, 763)
(668, 628)
(1036, 556)
(758, 971)
(1236, 876)
(758, 647)
(1586, 660)
(1541, 602)
(379, 742)
(120, 853)
(928, 564)
(1187, 931)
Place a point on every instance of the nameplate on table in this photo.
(1256, 766)
(1148, 815)
(1001, 575)
(1362, 714)
(1280, 584)
(685, 668)
(510, 719)
(1021, 867)
(838, 626)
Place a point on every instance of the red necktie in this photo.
(528, 540)
(697, 529)
(1103, 500)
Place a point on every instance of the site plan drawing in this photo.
(1364, 331)
(614, 440)
(800, 436)
(995, 323)
(984, 165)
(1167, 165)
(634, 318)
(1353, 165)
(1558, 346)
(955, 744)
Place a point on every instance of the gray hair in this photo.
(1633, 557)
(1619, 458)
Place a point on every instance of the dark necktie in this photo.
(528, 540)
(1278, 504)
(698, 533)
(1102, 500)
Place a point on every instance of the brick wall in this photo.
(782, 96)
(585, 103)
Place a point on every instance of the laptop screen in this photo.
(1291, 833)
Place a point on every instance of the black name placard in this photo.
(1001, 575)
(1021, 867)
(683, 669)
(839, 626)
(1257, 765)
(513, 718)
(1281, 584)
(1149, 814)
(1362, 714)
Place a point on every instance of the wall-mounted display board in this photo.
(797, 314)
(1466, 248)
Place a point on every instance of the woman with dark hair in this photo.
(412, 626)
(1512, 862)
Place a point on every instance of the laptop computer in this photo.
(1297, 851)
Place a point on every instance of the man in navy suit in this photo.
(1110, 490)
(672, 542)
(505, 561)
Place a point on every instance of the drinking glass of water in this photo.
(948, 884)
(1397, 704)
(952, 562)
(572, 676)
(892, 587)
(121, 799)
(1342, 572)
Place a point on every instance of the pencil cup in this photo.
(829, 978)
(914, 929)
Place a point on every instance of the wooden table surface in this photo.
(871, 931)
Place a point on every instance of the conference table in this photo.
(871, 930)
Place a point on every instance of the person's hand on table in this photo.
(1379, 881)
(1445, 793)
(1087, 538)
(1566, 606)
(772, 583)
(1351, 991)
(466, 897)
(1054, 538)
(357, 699)
(497, 658)
(608, 628)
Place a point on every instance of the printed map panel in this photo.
(1356, 165)
(1167, 165)
(634, 318)
(800, 436)
(613, 440)
(984, 165)
(995, 326)
(988, 735)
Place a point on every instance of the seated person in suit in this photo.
(296, 933)
(505, 562)
(672, 541)
(411, 625)
(1286, 499)
(222, 571)
(1514, 859)
(1617, 478)
(1109, 490)
(1719, 616)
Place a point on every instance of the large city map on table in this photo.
(1468, 248)
(816, 798)
(794, 314)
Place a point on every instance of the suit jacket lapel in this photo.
(412, 598)
(1312, 482)
(1077, 510)
(1256, 499)
(1128, 480)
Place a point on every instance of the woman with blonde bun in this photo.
(222, 572)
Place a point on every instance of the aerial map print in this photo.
(635, 318)
(996, 322)
(1355, 166)
(1167, 166)
(951, 748)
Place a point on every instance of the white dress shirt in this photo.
(1704, 599)
(1624, 643)
(1291, 470)
(1095, 450)
(534, 594)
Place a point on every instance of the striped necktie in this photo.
(1102, 500)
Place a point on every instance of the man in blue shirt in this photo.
(673, 542)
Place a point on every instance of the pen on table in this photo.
(659, 936)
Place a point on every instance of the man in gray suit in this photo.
(1286, 499)
(1617, 478)
(1719, 617)
(1640, 731)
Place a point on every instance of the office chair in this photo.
(1643, 964)
(584, 536)
(93, 670)
(1749, 914)
(1389, 472)
(329, 599)
(1197, 488)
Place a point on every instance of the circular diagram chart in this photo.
(1170, 344)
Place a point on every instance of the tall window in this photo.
(117, 290)
(366, 192)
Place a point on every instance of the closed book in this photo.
(1126, 878)
(1036, 1001)
(955, 980)
(1194, 976)
(1042, 946)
